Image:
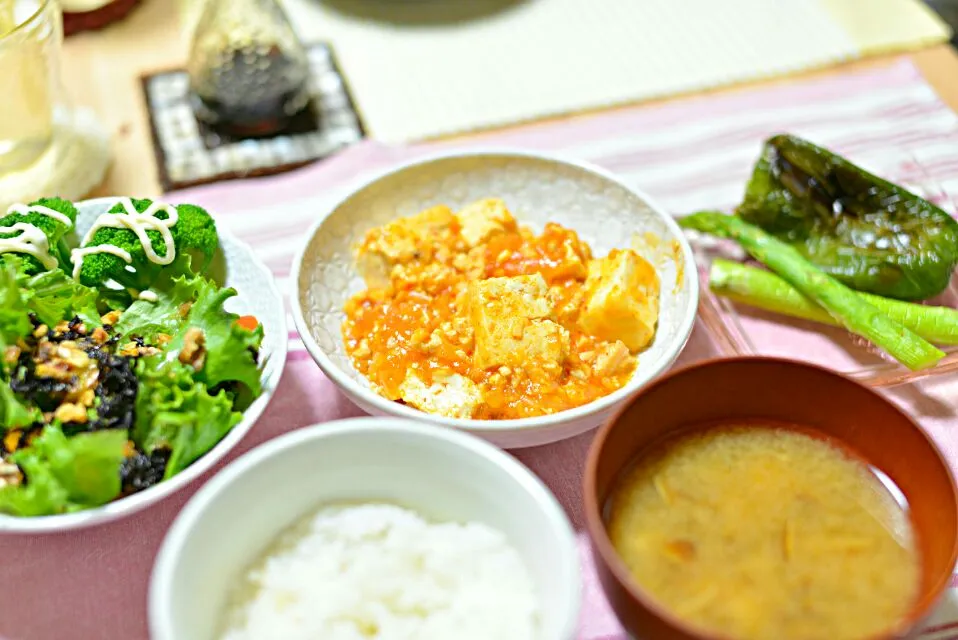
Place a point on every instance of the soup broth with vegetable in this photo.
(759, 532)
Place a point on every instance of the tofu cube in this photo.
(513, 322)
(453, 396)
(621, 299)
(400, 242)
(484, 219)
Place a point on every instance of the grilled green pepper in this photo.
(862, 230)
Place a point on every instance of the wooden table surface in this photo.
(102, 70)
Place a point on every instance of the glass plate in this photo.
(738, 329)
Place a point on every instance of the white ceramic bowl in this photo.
(538, 189)
(237, 267)
(439, 472)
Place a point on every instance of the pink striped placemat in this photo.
(92, 584)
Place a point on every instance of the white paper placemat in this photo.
(426, 68)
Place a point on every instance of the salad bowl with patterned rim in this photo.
(236, 266)
(605, 212)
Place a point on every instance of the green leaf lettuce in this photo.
(175, 412)
(66, 474)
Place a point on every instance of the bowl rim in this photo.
(164, 566)
(143, 499)
(515, 425)
(602, 545)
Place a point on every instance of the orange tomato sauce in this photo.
(386, 328)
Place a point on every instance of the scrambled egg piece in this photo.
(621, 299)
(470, 315)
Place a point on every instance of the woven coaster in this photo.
(188, 153)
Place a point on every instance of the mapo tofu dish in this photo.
(468, 314)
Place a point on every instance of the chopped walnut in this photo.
(10, 474)
(87, 397)
(11, 354)
(58, 370)
(163, 338)
(193, 352)
(83, 386)
(70, 412)
(111, 318)
(62, 327)
(11, 440)
(70, 353)
(134, 350)
(184, 309)
(100, 336)
(130, 350)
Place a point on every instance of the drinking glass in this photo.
(31, 33)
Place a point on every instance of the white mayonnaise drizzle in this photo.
(138, 223)
(79, 254)
(24, 209)
(149, 296)
(31, 241)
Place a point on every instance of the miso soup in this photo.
(765, 533)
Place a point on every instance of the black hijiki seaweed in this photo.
(116, 390)
(141, 471)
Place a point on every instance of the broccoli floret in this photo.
(55, 231)
(195, 234)
(194, 239)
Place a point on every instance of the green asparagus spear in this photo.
(842, 303)
(765, 290)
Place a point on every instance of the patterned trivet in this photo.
(190, 154)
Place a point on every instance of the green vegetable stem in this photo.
(864, 231)
(765, 290)
(853, 312)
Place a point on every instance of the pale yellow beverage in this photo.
(759, 533)
(30, 33)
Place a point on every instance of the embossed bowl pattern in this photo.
(537, 189)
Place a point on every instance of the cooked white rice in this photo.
(381, 571)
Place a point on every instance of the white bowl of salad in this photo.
(139, 344)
